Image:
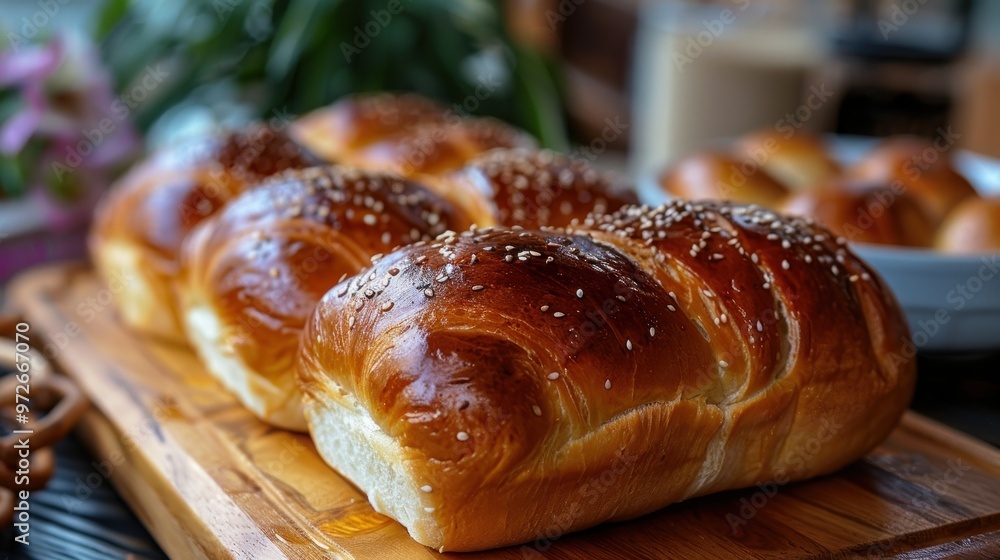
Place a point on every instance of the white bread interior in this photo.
(349, 440)
(142, 295)
(278, 405)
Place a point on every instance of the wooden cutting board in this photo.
(210, 481)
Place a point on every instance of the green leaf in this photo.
(111, 15)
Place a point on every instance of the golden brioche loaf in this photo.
(719, 176)
(971, 227)
(252, 273)
(532, 188)
(799, 161)
(140, 225)
(690, 348)
(920, 167)
(865, 213)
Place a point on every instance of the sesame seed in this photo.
(620, 298)
(723, 318)
(549, 259)
(785, 265)
(760, 327)
(652, 331)
(387, 306)
(369, 219)
(834, 269)
(579, 294)
(509, 258)
(429, 292)
(536, 409)
(785, 244)
(553, 376)
(393, 271)
(509, 247)
(429, 509)
(558, 314)
(462, 436)
(544, 308)
(854, 278)
(426, 488)
(628, 344)
(607, 384)
(350, 322)
(724, 363)
(478, 287)
(672, 308)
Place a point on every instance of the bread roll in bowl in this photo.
(253, 273)
(865, 213)
(718, 176)
(140, 225)
(533, 189)
(498, 374)
(337, 131)
(800, 161)
(972, 227)
(922, 168)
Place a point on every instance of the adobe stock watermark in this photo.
(711, 30)
(419, 148)
(121, 108)
(365, 34)
(31, 26)
(913, 169)
(788, 470)
(562, 12)
(956, 471)
(614, 129)
(788, 126)
(899, 15)
(586, 496)
(257, 23)
(959, 297)
(88, 310)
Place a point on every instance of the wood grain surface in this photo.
(210, 481)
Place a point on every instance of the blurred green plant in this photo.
(260, 56)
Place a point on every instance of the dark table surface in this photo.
(960, 391)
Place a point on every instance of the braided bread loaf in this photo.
(473, 386)
(140, 226)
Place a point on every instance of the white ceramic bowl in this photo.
(952, 302)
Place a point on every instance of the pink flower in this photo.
(28, 70)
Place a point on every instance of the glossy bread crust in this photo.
(921, 168)
(253, 273)
(719, 176)
(486, 379)
(535, 188)
(336, 132)
(865, 213)
(141, 224)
